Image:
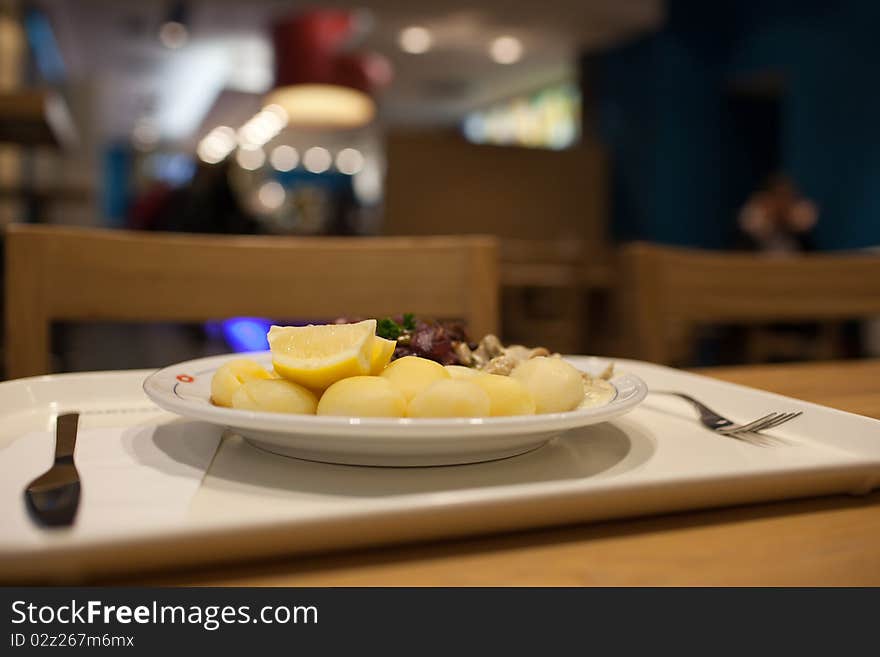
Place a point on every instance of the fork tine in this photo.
(751, 426)
(762, 424)
(782, 419)
(785, 417)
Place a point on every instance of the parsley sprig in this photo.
(390, 330)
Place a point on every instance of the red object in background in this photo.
(366, 71)
(315, 47)
(145, 211)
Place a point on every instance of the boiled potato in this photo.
(412, 374)
(450, 398)
(229, 378)
(555, 385)
(274, 396)
(461, 372)
(506, 396)
(363, 396)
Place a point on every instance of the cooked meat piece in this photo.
(492, 345)
(503, 364)
(464, 353)
(518, 351)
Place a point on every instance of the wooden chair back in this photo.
(667, 290)
(55, 273)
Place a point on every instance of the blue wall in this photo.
(662, 112)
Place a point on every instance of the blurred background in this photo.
(566, 128)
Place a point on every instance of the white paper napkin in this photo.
(134, 480)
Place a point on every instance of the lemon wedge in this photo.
(383, 350)
(318, 356)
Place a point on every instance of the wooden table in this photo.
(823, 541)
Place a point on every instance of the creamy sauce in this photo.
(597, 392)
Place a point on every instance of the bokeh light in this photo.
(173, 35)
(216, 145)
(250, 159)
(349, 161)
(271, 195)
(284, 158)
(415, 40)
(317, 159)
(506, 50)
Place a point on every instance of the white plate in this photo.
(184, 389)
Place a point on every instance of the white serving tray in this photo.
(250, 503)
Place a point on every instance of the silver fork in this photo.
(720, 424)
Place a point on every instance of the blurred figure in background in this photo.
(207, 204)
(777, 219)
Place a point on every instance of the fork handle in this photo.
(707, 415)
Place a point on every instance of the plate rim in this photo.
(281, 422)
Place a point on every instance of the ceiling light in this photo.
(252, 134)
(173, 35)
(324, 105)
(271, 122)
(506, 50)
(262, 127)
(224, 135)
(415, 40)
(217, 144)
(320, 82)
(349, 161)
(271, 195)
(317, 159)
(284, 158)
(279, 112)
(208, 153)
(250, 159)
